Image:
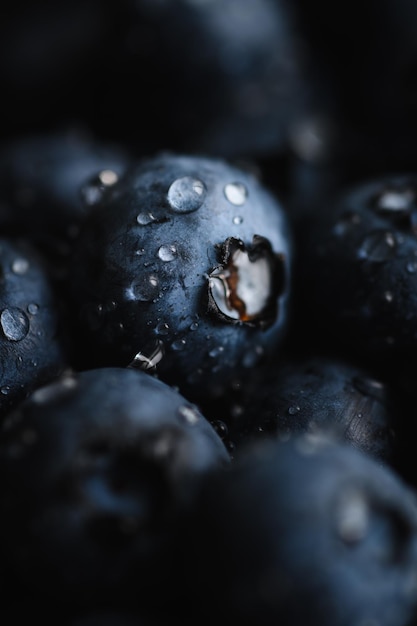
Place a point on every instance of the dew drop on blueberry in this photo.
(167, 253)
(236, 193)
(378, 246)
(14, 323)
(186, 194)
(20, 266)
(143, 219)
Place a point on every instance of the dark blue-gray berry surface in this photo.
(94, 470)
(183, 268)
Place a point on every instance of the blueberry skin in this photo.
(95, 468)
(184, 269)
(307, 531)
(319, 394)
(355, 277)
(33, 343)
(48, 181)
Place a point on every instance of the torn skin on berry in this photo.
(246, 286)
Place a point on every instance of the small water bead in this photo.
(162, 328)
(145, 289)
(388, 296)
(411, 267)
(20, 266)
(346, 222)
(378, 246)
(215, 352)
(238, 219)
(167, 253)
(14, 323)
(149, 357)
(5, 390)
(236, 193)
(293, 410)
(143, 219)
(186, 194)
(32, 308)
(178, 345)
(189, 413)
(194, 326)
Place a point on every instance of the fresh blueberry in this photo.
(356, 272)
(48, 181)
(95, 468)
(33, 339)
(318, 394)
(309, 532)
(183, 269)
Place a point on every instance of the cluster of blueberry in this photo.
(208, 313)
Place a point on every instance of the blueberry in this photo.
(367, 236)
(33, 340)
(308, 531)
(95, 469)
(319, 394)
(49, 180)
(184, 269)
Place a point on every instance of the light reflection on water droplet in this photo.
(236, 193)
(20, 266)
(186, 194)
(144, 289)
(32, 308)
(189, 413)
(395, 200)
(215, 352)
(167, 253)
(149, 357)
(178, 345)
(194, 326)
(378, 246)
(162, 328)
(238, 219)
(293, 410)
(388, 296)
(14, 323)
(143, 219)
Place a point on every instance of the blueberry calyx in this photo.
(245, 287)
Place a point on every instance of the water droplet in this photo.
(221, 428)
(178, 345)
(388, 296)
(369, 387)
(186, 194)
(346, 222)
(189, 413)
(145, 289)
(194, 326)
(238, 219)
(149, 357)
(253, 356)
(293, 410)
(215, 352)
(167, 253)
(378, 246)
(108, 177)
(411, 267)
(162, 328)
(32, 308)
(5, 390)
(14, 323)
(236, 193)
(352, 516)
(143, 219)
(395, 200)
(20, 266)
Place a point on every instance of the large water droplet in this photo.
(14, 323)
(186, 194)
(378, 246)
(144, 289)
(149, 357)
(236, 193)
(167, 253)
